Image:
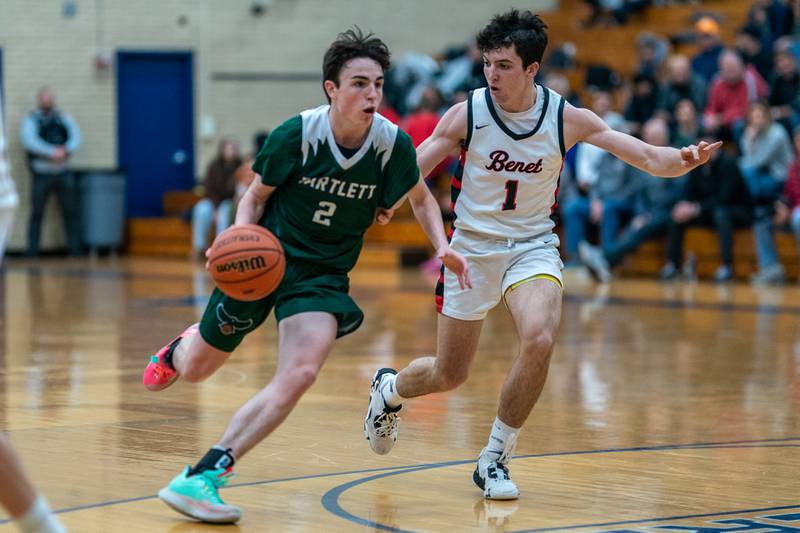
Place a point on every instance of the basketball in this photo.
(246, 262)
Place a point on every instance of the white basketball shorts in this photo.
(495, 265)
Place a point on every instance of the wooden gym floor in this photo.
(668, 407)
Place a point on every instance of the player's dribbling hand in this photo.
(698, 154)
(383, 216)
(457, 264)
(208, 254)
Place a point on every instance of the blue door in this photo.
(155, 112)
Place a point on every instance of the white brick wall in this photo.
(42, 47)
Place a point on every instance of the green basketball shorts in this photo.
(305, 287)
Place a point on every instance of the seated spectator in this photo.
(642, 104)
(244, 174)
(784, 94)
(787, 209)
(681, 83)
(653, 204)
(591, 163)
(686, 129)
(753, 51)
(651, 52)
(715, 196)
(560, 84)
(732, 92)
(220, 185)
(709, 47)
(766, 155)
(774, 17)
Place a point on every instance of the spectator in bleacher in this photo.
(219, 187)
(774, 17)
(784, 94)
(686, 126)
(732, 92)
(642, 105)
(591, 164)
(787, 210)
(244, 175)
(681, 83)
(754, 51)
(560, 84)
(766, 155)
(653, 204)
(717, 197)
(651, 52)
(50, 137)
(706, 62)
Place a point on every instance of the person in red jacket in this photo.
(787, 210)
(734, 89)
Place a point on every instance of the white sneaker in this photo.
(595, 260)
(491, 475)
(381, 423)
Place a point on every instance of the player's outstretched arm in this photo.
(583, 125)
(251, 206)
(444, 140)
(429, 216)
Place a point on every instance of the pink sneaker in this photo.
(158, 375)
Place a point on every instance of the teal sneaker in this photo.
(197, 497)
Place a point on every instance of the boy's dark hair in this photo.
(522, 29)
(352, 44)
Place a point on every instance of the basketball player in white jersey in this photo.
(513, 137)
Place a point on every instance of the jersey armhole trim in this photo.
(561, 128)
(470, 122)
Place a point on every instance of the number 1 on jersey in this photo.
(510, 202)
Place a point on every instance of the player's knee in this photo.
(538, 346)
(298, 380)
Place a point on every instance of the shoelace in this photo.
(386, 425)
(220, 480)
(497, 471)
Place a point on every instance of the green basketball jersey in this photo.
(325, 202)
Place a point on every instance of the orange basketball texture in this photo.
(246, 262)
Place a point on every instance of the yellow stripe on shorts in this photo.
(537, 276)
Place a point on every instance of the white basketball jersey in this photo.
(508, 181)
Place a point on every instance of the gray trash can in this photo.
(102, 208)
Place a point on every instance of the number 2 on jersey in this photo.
(324, 213)
(510, 203)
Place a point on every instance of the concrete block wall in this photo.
(42, 44)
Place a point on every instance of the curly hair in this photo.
(522, 29)
(352, 44)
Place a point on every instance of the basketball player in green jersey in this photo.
(321, 178)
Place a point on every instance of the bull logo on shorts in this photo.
(229, 324)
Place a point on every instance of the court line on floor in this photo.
(330, 500)
(399, 469)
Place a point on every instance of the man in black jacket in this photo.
(716, 196)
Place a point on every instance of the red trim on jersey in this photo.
(558, 187)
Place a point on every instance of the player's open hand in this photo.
(457, 264)
(698, 154)
(383, 216)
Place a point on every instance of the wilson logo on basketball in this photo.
(248, 264)
(501, 162)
